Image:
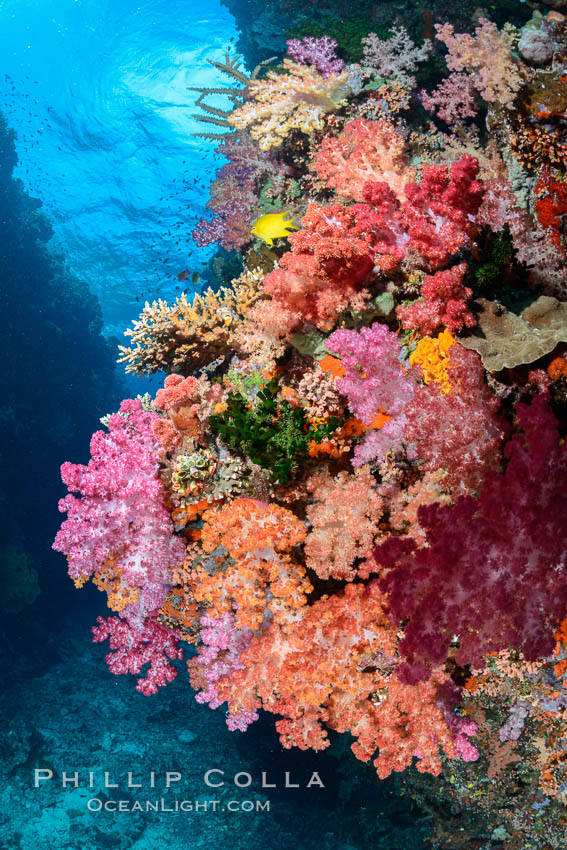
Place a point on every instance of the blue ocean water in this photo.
(97, 91)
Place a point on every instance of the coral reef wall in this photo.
(57, 372)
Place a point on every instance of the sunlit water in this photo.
(97, 92)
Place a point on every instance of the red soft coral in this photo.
(445, 303)
(440, 212)
(330, 260)
(460, 432)
(493, 573)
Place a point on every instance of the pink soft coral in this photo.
(453, 99)
(132, 647)
(121, 514)
(374, 380)
(319, 52)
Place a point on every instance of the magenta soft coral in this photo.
(120, 514)
(493, 573)
(133, 646)
(460, 432)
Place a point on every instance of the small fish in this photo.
(195, 278)
(273, 226)
(183, 275)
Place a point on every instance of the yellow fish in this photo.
(273, 226)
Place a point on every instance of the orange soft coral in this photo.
(344, 522)
(331, 665)
(262, 576)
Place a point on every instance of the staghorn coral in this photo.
(188, 335)
(295, 100)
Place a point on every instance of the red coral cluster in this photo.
(492, 574)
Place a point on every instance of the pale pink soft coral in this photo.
(487, 58)
(121, 514)
(364, 151)
(453, 99)
(319, 52)
(218, 656)
(344, 521)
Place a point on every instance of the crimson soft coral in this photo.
(493, 573)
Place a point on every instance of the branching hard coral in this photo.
(365, 151)
(487, 58)
(121, 514)
(344, 519)
(493, 572)
(188, 335)
(460, 432)
(262, 577)
(396, 58)
(295, 100)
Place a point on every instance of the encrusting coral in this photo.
(349, 491)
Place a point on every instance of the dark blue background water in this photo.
(96, 91)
